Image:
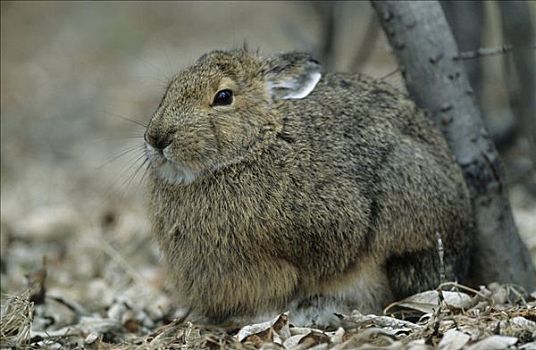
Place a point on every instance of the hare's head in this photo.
(218, 110)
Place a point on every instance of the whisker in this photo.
(114, 188)
(121, 137)
(131, 162)
(121, 182)
(121, 154)
(136, 172)
(145, 172)
(129, 168)
(127, 183)
(161, 74)
(137, 122)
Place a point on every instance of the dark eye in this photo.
(223, 98)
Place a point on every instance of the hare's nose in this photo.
(158, 141)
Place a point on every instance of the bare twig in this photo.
(16, 320)
(490, 51)
(463, 287)
(441, 252)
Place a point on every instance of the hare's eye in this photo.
(223, 98)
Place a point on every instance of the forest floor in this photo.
(79, 268)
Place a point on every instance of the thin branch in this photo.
(441, 253)
(491, 51)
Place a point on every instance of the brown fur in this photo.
(299, 199)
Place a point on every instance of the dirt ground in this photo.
(73, 75)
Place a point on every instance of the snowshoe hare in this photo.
(275, 187)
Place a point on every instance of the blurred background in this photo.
(78, 80)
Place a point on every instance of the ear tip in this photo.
(310, 60)
(296, 56)
(314, 64)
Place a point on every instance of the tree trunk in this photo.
(518, 31)
(427, 53)
(466, 20)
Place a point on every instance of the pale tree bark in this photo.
(435, 78)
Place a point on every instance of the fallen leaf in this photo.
(453, 340)
(276, 330)
(495, 342)
(427, 302)
(314, 338)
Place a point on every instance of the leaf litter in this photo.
(452, 317)
(101, 287)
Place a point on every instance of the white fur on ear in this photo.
(295, 87)
(303, 88)
(292, 76)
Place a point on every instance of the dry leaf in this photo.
(427, 302)
(338, 336)
(358, 320)
(453, 340)
(528, 346)
(314, 338)
(418, 344)
(276, 330)
(495, 342)
(293, 341)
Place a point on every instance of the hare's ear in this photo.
(291, 75)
